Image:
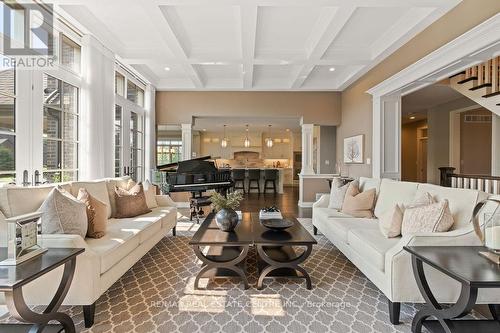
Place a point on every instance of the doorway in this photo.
(422, 154)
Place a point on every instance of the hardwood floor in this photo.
(286, 202)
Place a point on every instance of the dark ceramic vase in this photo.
(226, 219)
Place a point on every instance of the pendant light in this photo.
(246, 143)
(269, 140)
(223, 142)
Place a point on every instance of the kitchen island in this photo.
(279, 182)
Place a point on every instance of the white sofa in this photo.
(383, 260)
(105, 259)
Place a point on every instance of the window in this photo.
(168, 151)
(119, 84)
(7, 123)
(60, 130)
(136, 139)
(135, 94)
(70, 54)
(118, 140)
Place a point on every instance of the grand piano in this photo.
(197, 175)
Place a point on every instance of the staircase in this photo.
(480, 83)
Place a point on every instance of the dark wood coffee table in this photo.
(14, 278)
(465, 265)
(228, 250)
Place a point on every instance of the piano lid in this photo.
(195, 165)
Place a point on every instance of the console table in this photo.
(13, 278)
(465, 265)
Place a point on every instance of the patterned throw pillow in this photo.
(131, 203)
(63, 214)
(359, 204)
(337, 194)
(435, 217)
(96, 214)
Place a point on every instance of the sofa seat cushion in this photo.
(340, 226)
(371, 245)
(123, 236)
(326, 213)
(168, 216)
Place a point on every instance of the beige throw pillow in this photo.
(435, 217)
(359, 204)
(131, 203)
(390, 222)
(423, 199)
(63, 214)
(96, 214)
(150, 192)
(337, 194)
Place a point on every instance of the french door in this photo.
(129, 140)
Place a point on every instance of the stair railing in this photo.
(488, 184)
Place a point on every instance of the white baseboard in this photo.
(303, 204)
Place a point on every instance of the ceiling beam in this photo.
(165, 30)
(248, 38)
(337, 19)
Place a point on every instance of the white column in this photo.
(150, 132)
(495, 145)
(97, 110)
(386, 149)
(307, 149)
(187, 138)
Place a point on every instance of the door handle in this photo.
(26, 181)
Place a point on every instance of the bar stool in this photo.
(270, 176)
(254, 177)
(238, 176)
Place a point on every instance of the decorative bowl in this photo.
(277, 224)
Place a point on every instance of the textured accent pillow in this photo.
(131, 203)
(150, 192)
(96, 214)
(359, 204)
(63, 214)
(435, 217)
(423, 199)
(390, 222)
(337, 194)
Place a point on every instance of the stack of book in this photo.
(263, 215)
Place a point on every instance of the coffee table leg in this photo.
(19, 310)
(464, 305)
(292, 264)
(231, 265)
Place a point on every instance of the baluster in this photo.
(496, 187)
(454, 182)
(487, 186)
(480, 184)
(460, 182)
(495, 75)
(466, 183)
(473, 184)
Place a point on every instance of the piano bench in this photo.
(196, 206)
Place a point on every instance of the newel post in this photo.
(446, 173)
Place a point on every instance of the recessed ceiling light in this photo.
(288, 130)
(331, 69)
(412, 117)
(167, 68)
(204, 130)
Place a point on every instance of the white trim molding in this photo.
(476, 45)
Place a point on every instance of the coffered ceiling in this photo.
(316, 45)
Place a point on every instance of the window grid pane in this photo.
(70, 54)
(7, 121)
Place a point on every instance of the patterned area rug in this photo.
(157, 295)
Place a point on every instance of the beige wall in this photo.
(409, 150)
(313, 186)
(475, 144)
(322, 108)
(357, 104)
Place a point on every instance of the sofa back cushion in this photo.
(17, 200)
(369, 183)
(393, 192)
(461, 201)
(96, 189)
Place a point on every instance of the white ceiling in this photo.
(254, 44)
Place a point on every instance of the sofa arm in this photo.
(323, 201)
(399, 272)
(165, 201)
